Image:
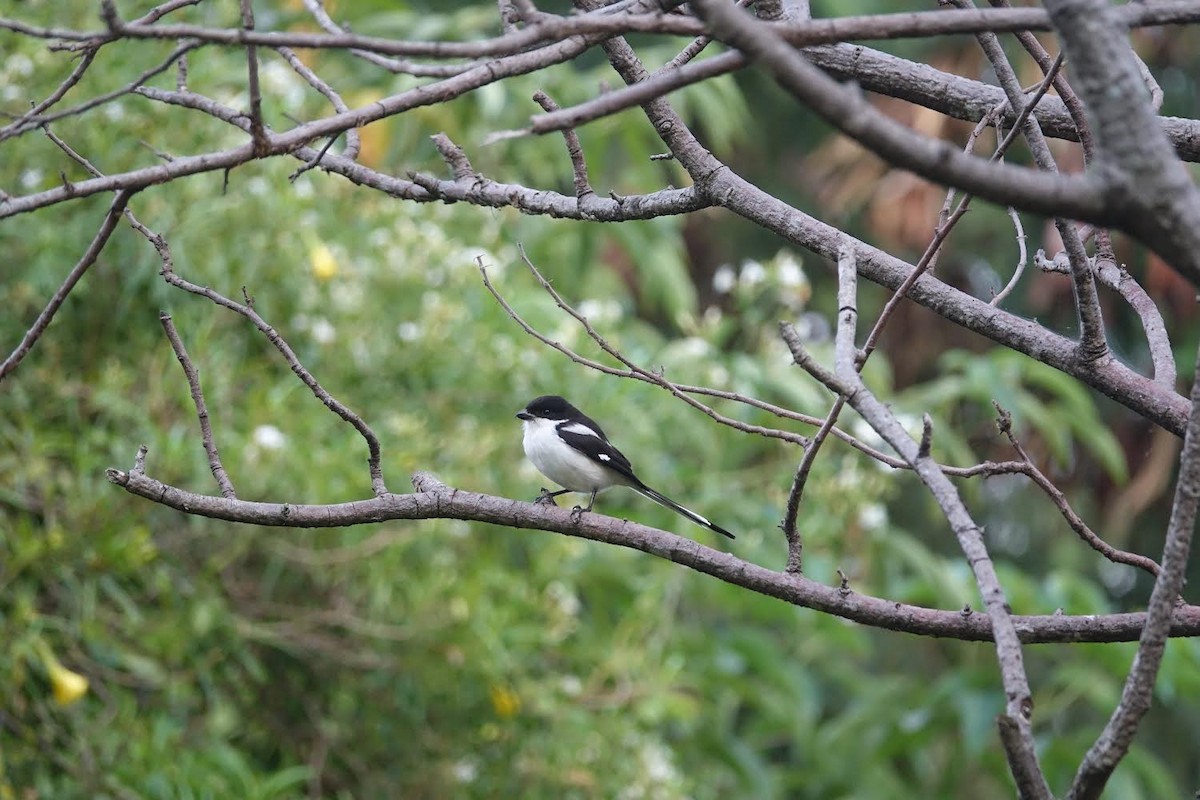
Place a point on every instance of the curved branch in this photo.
(1118, 734)
(1079, 196)
(435, 500)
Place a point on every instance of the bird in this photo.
(571, 449)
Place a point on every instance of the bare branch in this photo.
(574, 150)
(846, 382)
(606, 22)
(662, 82)
(435, 500)
(306, 377)
(257, 132)
(35, 331)
(1093, 345)
(963, 98)
(193, 379)
(1114, 741)
(632, 370)
(1163, 204)
(1004, 423)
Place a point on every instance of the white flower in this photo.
(18, 64)
(323, 331)
(465, 771)
(268, 437)
(872, 516)
(753, 273)
(562, 597)
(723, 279)
(31, 178)
(791, 274)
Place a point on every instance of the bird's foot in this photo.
(546, 498)
(577, 513)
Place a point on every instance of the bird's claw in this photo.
(577, 513)
(546, 498)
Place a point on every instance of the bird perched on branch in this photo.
(569, 448)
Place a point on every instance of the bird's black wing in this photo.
(590, 440)
(586, 437)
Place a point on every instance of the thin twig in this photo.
(353, 140)
(510, 16)
(399, 66)
(258, 133)
(76, 75)
(1093, 345)
(1004, 423)
(632, 369)
(246, 310)
(583, 187)
(791, 513)
(1022, 259)
(193, 379)
(35, 331)
(1115, 277)
(30, 123)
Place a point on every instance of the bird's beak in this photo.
(524, 415)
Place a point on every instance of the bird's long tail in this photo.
(663, 500)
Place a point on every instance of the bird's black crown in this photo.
(551, 406)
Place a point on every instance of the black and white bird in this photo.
(570, 449)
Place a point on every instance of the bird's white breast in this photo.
(560, 462)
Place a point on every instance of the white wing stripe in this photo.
(580, 428)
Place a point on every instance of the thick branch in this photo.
(1163, 204)
(1081, 197)
(434, 500)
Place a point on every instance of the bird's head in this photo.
(548, 407)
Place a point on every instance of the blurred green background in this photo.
(446, 659)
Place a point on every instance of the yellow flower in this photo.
(505, 702)
(324, 265)
(67, 686)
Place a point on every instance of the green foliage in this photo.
(1041, 399)
(441, 659)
